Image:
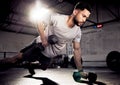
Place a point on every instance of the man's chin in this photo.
(79, 25)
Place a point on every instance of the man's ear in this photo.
(75, 11)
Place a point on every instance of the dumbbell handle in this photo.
(52, 39)
(40, 46)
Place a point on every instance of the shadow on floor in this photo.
(96, 83)
(46, 81)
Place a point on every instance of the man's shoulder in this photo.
(57, 14)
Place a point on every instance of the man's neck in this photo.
(70, 21)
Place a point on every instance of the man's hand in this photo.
(52, 39)
(44, 42)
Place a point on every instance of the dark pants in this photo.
(33, 53)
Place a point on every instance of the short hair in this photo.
(82, 6)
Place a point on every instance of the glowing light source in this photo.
(38, 12)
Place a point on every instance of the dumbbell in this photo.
(92, 77)
(52, 39)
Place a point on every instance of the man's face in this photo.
(81, 16)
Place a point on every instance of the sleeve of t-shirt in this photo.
(78, 36)
(46, 20)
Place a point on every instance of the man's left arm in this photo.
(77, 55)
(92, 77)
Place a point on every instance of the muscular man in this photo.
(65, 27)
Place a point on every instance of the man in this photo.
(66, 28)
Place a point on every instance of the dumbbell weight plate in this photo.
(92, 77)
(52, 39)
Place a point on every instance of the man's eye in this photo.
(84, 16)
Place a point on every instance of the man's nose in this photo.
(83, 20)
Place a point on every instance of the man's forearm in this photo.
(77, 58)
(41, 31)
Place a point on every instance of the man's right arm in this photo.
(41, 28)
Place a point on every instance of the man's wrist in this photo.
(81, 70)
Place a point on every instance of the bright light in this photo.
(38, 12)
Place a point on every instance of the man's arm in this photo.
(77, 55)
(41, 28)
(92, 77)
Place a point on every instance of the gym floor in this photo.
(56, 76)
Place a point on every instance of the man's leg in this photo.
(24, 54)
(30, 55)
(43, 61)
(10, 62)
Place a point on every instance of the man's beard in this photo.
(76, 22)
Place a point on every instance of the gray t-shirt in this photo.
(57, 24)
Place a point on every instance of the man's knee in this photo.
(43, 66)
(18, 57)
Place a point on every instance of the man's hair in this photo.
(82, 6)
